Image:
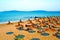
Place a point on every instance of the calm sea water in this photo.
(15, 16)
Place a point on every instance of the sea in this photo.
(14, 15)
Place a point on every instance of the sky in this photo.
(30, 5)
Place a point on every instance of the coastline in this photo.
(11, 21)
(15, 21)
(25, 19)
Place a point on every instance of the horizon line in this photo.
(26, 10)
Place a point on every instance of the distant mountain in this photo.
(31, 11)
(12, 11)
(38, 11)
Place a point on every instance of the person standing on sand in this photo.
(9, 22)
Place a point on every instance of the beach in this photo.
(29, 19)
(24, 27)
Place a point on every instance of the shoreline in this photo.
(7, 22)
(15, 21)
(11, 21)
(27, 19)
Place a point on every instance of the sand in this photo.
(28, 36)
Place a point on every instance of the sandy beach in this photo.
(4, 28)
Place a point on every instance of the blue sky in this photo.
(29, 5)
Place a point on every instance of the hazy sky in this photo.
(28, 5)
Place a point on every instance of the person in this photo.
(9, 22)
(20, 21)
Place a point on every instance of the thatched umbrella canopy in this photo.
(35, 17)
(29, 20)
